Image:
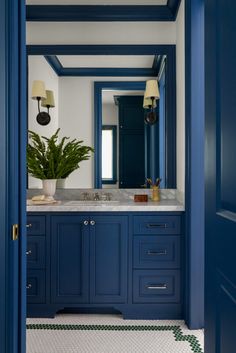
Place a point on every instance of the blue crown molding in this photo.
(173, 6)
(98, 13)
(161, 49)
(99, 72)
(54, 63)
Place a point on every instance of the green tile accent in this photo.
(177, 332)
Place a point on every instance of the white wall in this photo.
(101, 33)
(180, 57)
(39, 69)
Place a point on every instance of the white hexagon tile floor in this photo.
(81, 333)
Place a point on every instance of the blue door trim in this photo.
(194, 187)
(86, 13)
(12, 176)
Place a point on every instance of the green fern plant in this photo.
(47, 158)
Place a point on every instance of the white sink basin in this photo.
(90, 202)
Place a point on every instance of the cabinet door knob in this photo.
(86, 223)
(92, 223)
(29, 252)
(28, 225)
(29, 286)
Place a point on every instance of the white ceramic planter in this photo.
(61, 183)
(49, 187)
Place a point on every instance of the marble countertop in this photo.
(109, 206)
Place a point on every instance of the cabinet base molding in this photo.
(128, 312)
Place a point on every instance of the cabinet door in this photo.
(69, 259)
(108, 271)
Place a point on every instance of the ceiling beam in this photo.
(102, 13)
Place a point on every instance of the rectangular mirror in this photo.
(108, 115)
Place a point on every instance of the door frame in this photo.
(194, 185)
(194, 175)
(12, 176)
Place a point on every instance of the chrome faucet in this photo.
(96, 196)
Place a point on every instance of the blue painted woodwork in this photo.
(162, 128)
(155, 224)
(103, 13)
(103, 49)
(12, 183)
(194, 179)
(131, 142)
(96, 267)
(36, 286)
(156, 286)
(156, 251)
(96, 72)
(69, 260)
(108, 259)
(112, 128)
(220, 272)
(36, 249)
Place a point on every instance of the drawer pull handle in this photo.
(29, 252)
(28, 225)
(29, 286)
(157, 225)
(157, 253)
(157, 286)
(86, 223)
(92, 223)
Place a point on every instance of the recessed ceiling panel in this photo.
(96, 2)
(106, 61)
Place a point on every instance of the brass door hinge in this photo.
(15, 232)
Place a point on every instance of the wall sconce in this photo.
(150, 97)
(47, 100)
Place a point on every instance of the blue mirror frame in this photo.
(170, 127)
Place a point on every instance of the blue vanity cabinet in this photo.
(88, 259)
(108, 258)
(157, 291)
(69, 259)
(130, 262)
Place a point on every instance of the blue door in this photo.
(12, 177)
(220, 295)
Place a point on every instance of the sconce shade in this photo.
(38, 90)
(152, 90)
(148, 103)
(49, 101)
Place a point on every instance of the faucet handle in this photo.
(108, 196)
(85, 196)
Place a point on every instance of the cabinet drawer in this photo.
(35, 251)
(156, 225)
(36, 225)
(36, 286)
(156, 286)
(156, 251)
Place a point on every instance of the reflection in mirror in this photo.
(129, 150)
